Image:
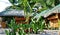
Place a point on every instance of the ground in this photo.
(47, 32)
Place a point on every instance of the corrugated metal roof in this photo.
(53, 10)
(41, 14)
(12, 12)
(48, 12)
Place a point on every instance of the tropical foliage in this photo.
(21, 28)
(30, 6)
(31, 3)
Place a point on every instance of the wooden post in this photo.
(0, 21)
(3, 24)
(59, 32)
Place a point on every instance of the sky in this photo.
(4, 4)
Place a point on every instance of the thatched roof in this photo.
(48, 12)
